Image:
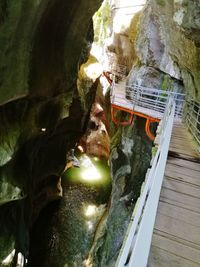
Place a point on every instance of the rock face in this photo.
(45, 109)
(42, 44)
(163, 45)
(164, 55)
(129, 160)
(69, 226)
(186, 15)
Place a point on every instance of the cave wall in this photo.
(42, 44)
(168, 55)
(129, 159)
(165, 55)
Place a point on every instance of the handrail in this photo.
(121, 7)
(192, 118)
(149, 98)
(137, 242)
(110, 64)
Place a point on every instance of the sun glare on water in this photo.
(90, 210)
(89, 172)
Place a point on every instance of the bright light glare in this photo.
(96, 51)
(124, 15)
(81, 148)
(91, 174)
(90, 225)
(90, 210)
(87, 263)
(93, 71)
(9, 258)
(20, 260)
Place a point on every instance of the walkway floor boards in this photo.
(176, 237)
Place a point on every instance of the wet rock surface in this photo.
(45, 112)
(130, 157)
(163, 45)
(42, 44)
(186, 14)
(64, 232)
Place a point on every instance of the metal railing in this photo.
(110, 64)
(118, 70)
(192, 118)
(127, 9)
(137, 242)
(148, 98)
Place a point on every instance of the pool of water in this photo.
(93, 173)
(64, 232)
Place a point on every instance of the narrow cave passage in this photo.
(63, 219)
(65, 230)
(69, 176)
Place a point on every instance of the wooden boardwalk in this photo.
(176, 237)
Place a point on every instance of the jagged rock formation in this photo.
(42, 44)
(67, 232)
(129, 159)
(167, 56)
(164, 55)
(44, 111)
(186, 15)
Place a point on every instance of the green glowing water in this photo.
(68, 228)
(98, 173)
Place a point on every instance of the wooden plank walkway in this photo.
(176, 237)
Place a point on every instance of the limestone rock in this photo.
(163, 45)
(42, 44)
(186, 15)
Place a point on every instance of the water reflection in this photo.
(68, 227)
(93, 170)
(90, 210)
(90, 225)
(89, 172)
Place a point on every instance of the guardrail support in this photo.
(136, 246)
(149, 119)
